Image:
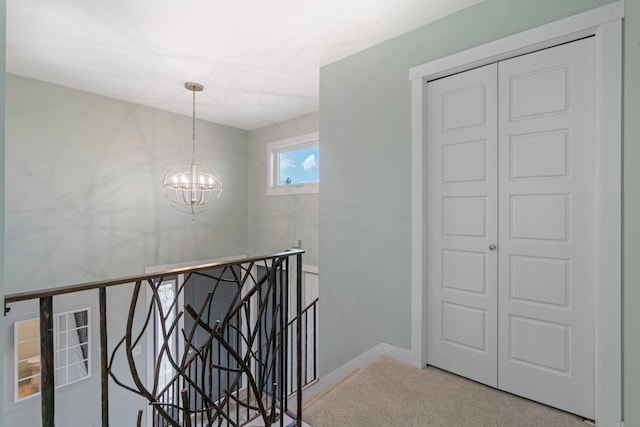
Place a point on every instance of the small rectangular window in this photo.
(71, 352)
(294, 165)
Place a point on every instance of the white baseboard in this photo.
(383, 349)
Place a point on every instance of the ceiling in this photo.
(258, 60)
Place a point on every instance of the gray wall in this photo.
(275, 221)
(68, 220)
(84, 201)
(365, 203)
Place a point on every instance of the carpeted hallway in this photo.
(390, 393)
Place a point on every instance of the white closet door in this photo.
(546, 210)
(462, 224)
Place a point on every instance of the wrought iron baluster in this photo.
(299, 340)
(47, 380)
(104, 374)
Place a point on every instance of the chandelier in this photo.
(191, 186)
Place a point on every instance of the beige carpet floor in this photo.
(388, 393)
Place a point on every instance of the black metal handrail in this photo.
(236, 365)
(61, 290)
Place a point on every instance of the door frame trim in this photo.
(605, 23)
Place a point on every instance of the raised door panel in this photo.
(462, 224)
(547, 235)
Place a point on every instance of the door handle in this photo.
(492, 247)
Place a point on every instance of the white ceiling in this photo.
(258, 60)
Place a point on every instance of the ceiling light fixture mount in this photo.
(191, 186)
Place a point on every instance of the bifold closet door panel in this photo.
(546, 246)
(462, 224)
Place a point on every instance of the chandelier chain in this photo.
(193, 122)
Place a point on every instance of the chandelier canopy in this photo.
(191, 186)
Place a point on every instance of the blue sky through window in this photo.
(299, 166)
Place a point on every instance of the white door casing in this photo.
(462, 224)
(546, 249)
(605, 23)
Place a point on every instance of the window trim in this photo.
(295, 143)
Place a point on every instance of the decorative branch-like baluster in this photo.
(243, 348)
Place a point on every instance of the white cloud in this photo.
(309, 162)
(286, 163)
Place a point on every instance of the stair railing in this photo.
(238, 363)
